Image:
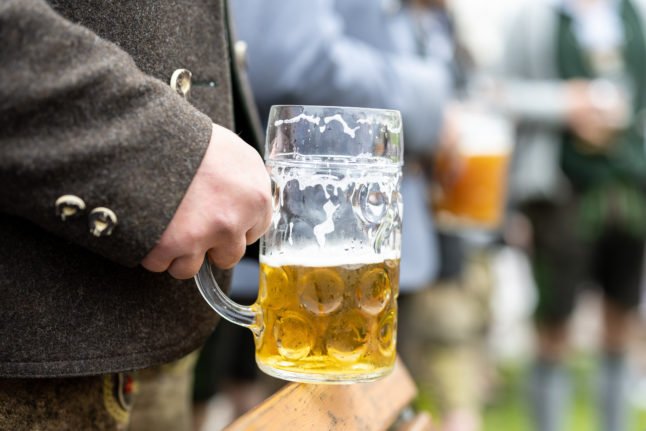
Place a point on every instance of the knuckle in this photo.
(153, 266)
(185, 268)
(225, 262)
(195, 234)
(180, 274)
(154, 263)
(227, 257)
(263, 201)
(226, 224)
(253, 234)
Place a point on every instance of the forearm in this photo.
(535, 101)
(530, 88)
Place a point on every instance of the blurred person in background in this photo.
(357, 53)
(576, 82)
(442, 325)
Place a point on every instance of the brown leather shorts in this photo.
(156, 398)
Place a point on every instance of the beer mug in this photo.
(470, 193)
(326, 309)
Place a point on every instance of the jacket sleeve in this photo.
(531, 90)
(77, 117)
(303, 54)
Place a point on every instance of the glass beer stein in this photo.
(472, 194)
(326, 310)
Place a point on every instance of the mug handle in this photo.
(232, 311)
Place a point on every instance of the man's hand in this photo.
(226, 207)
(596, 111)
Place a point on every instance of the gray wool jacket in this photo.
(86, 110)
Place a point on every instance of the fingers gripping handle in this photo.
(219, 301)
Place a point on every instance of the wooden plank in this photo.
(370, 406)
(421, 422)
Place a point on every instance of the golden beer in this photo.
(476, 196)
(333, 322)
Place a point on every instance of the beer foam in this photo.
(314, 119)
(311, 118)
(336, 183)
(350, 131)
(485, 134)
(327, 226)
(330, 257)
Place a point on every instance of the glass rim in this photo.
(371, 152)
(346, 108)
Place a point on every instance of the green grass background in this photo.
(508, 410)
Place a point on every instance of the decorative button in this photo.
(69, 206)
(240, 53)
(180, 81)
(102, 221)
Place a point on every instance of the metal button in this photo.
(69, 206)
(102, 221)
(240, 52)
(180, 81)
